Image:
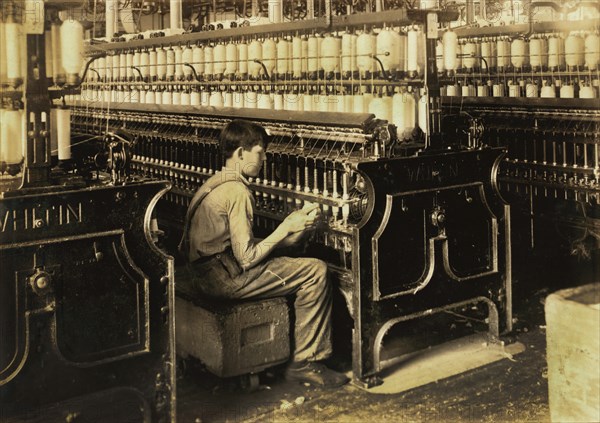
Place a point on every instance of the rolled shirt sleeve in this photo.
(241, 217)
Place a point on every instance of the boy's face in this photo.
(253, 161)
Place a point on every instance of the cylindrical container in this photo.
(63, 133)
(365, 52)
(556, 56)
(251, 100)
(592, 51)
(269, 54)
(585, 91)
(187, 56)
(412, 52)
(178, 63)
(538, 54)
(283, 59)
(198, 60)
(330, 55)
(574, 51)
(387, 49)
(498, 90)
(170, 63)
(531, 90)
(519, 57)
(514, 90)
(567, 91)
(547, 91)
(503, 53)
(242, 58)
(297, 57)
(263, 101)
(215, 99)
(161, 62)
(12, 137)
(220, 60)
(209, 61)
(71, 44)
(348, 63)
(469, 52)
(313, 55)
(255, 52)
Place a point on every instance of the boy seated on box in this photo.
(226, 261)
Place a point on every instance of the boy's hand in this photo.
(300, 220)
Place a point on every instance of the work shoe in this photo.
(316, 374)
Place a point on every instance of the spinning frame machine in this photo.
(409, 229)
(86, 298)
(534, 89)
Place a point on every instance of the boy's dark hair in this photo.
(241, 133)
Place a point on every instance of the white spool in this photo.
(176, 98)
(451, 91)
(220, 60)
(313, 55)
(283, 50)
(205, 98)
(585, 91)
(198, 60)
(129, 64)
(231, 58)
(304, 55)
(111, 8)
(170, 63)
(483, 91)
(556, 56)
(161, 62)
(269, 54)
(297, 57)
(178, 62)
(330, 54)
(123, 62)
(195, 98)
(238, 99)
(251, 100)
(167, 96)
(307, 102)
(134, 96)
(209, 61)
(242, 58)
(518, 53)
(145, 63)
(264, 101)
(278, 101)
(186, 98)
(228, 98)
(574, 51)
(12, 137)
(215, 99)
(547, 91)
(150, 97)
(387, 49)
(366, 45)
(71, 44)
(537, 56)
(469, 51)
(567, 91)
(348, 62)
(502, 53)
(57, 66)
(255, 52)
(531, 90)
(187, 56)
(404, 114)
(439, 56)
(514, 90)
(175, 14)
(498, 90)
(488, 52)
(592, 51)
(63, 133)
(413, 53)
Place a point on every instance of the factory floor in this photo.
(514, 389)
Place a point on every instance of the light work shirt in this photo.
(224, 219)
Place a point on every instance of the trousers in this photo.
(305, 278)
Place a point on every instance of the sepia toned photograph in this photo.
(329, 211)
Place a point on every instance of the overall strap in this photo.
(207, 188)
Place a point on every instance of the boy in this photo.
(228, 262)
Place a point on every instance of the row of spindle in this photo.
(578, 49)
(348, 54)
(525, 87)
